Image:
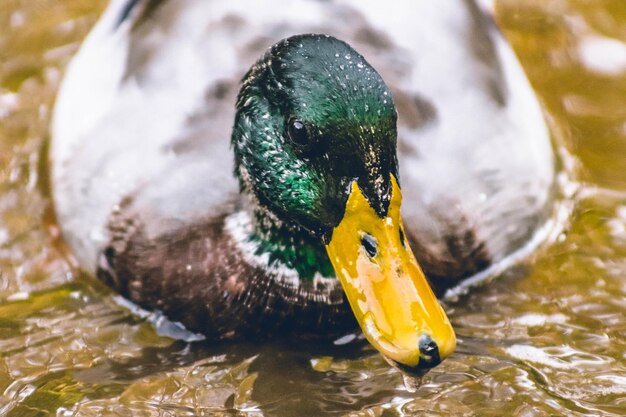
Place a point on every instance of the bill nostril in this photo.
(369, 244)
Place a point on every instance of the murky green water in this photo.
(546, 338)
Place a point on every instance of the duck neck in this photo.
(289, 245)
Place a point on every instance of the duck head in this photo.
(315, 146)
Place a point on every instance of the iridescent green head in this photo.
(315, 144)
(312, 116)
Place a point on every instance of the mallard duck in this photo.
(272, 206)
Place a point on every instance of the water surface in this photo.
(546, 338)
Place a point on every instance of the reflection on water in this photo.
(546, 338)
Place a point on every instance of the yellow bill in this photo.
(388, 292)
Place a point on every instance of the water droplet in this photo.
(342, 67)
(337, 55)
(360, 65)
(347, 56)
(367, 108)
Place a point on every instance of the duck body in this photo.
(142, 165)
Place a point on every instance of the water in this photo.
(546, 338)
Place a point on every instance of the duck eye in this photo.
(297, 132)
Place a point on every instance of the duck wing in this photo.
(143, 120)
